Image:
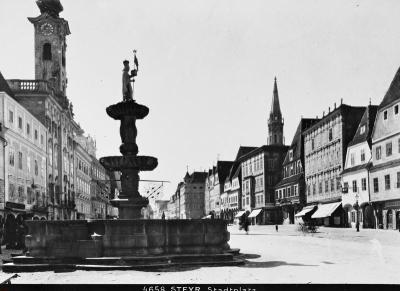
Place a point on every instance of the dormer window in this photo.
(362, 129)
(396, 109)
(291, 155)
(385, 115)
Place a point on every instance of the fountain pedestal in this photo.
(129, 202)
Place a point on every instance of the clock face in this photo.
(47, 28)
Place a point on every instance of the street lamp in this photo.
(357, 218)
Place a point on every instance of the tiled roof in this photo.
(367, 120)
(297, 145)
(243, 150)
(356, 168)
(4, 86)
(393, 93)
(289, 180)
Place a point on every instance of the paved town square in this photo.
(331, 255)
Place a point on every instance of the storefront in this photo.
(330, 214)
(255, 216)
(391, 214)
(305, 214)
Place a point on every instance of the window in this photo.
(20, 160)
(352, 159)
(396, 110)
(288, 192)
(290, 155)
(28, 129)
(362, 155)
(36, 134)
(332, 185)
(41, 139)
(10, 116)
(345, 186)
(11, 157)
(354, 185)
(376, 185)
(47, 52)
(330, 134)
(20, 122)
(388, 149)
(312, 144)
(362, 129)
(326, 186)
(385, 115)
(363, 184)
(320, 187)
(387, 182)
(314, 189)
(398, 179)
(353, 216)
(378, 152)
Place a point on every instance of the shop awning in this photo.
(207, 217)
(239, 214)
(255, 212)
(325, 210)
(305, 210)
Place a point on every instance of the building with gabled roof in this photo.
(355, 176)
(385, 170)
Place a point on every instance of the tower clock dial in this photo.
(46, 28)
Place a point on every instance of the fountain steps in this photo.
(37, 264)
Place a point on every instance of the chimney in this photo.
(341, 101)
(323, 113)
(329, 109)
(335, 105)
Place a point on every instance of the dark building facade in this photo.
(290, 192)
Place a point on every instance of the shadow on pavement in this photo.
(270, 264)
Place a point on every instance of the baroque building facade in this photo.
(45, 97)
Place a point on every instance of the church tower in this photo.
(50, 45)
(275, 120)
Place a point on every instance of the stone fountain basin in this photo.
(111, 238)
(117, 163)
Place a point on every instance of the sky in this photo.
(206, 68)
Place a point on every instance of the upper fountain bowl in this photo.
(127, 108)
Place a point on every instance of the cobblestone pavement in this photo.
(332, 255)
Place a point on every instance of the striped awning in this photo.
(326, 210)
(305, 210)
(255, 213)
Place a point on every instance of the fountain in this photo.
(129, 242)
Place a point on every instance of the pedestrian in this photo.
(246, 222)
(276, 227)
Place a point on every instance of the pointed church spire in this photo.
(275, 107)
(275, 121)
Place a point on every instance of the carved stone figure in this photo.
(127, 92)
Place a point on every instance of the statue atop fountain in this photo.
(129, 202)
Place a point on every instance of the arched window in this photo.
(47, 52)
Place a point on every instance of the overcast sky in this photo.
(207, 68)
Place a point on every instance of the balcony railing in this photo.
(37, 86)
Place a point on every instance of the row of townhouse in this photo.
(351, 162)
(45, 171)
(340, 169)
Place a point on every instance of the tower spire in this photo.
(275, 121)
(275, 107)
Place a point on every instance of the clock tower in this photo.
(50, 45)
